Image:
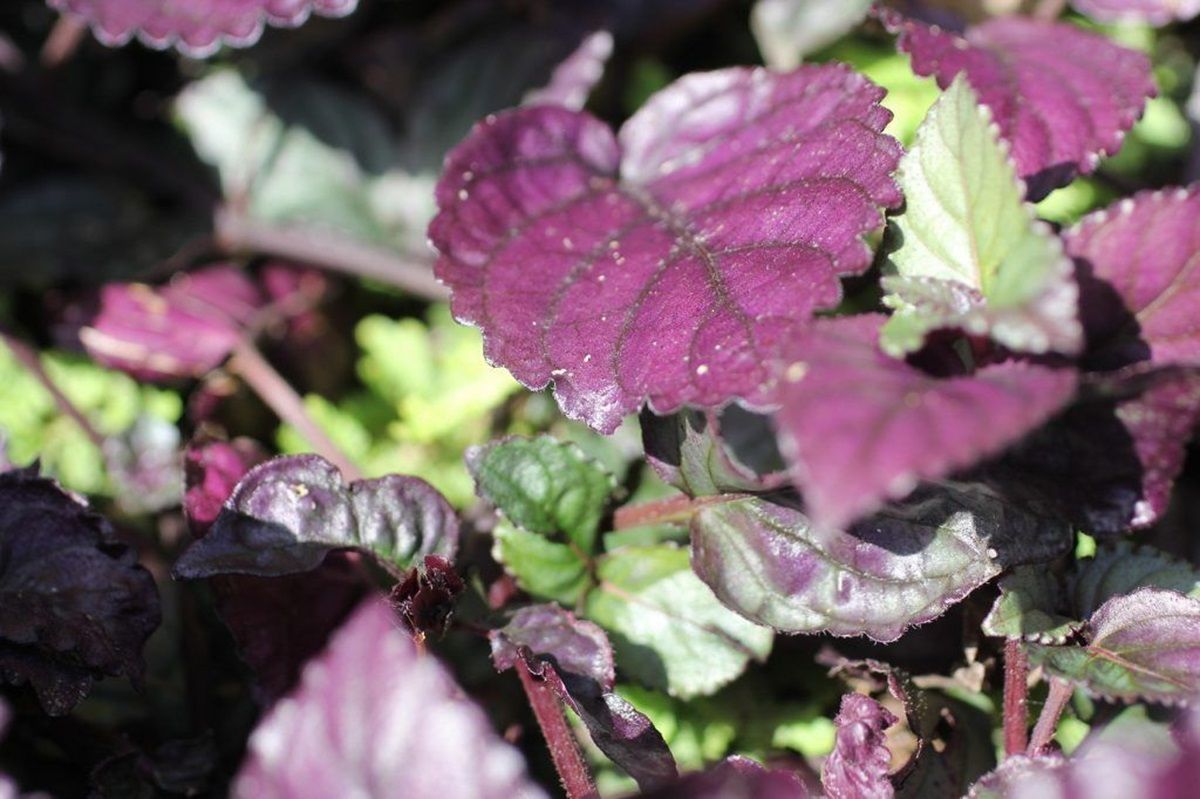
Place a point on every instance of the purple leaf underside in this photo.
(373, 718)
(664, 264)
(575, 657)
(1061, 96)
(574, 79)
(1153, 12)
(196, 27)
(860, 427)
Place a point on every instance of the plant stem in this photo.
(676, 510)
(28, 357)
(1047, 723)
(235, 233)
(63, 41)
(572, 771)
(1016, 696)
(278, 394)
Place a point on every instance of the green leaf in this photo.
(1122, 569)
(667, 627)
(542, 567)
(1028, 608)
(544, 486)
(971, 252)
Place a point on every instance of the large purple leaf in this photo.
(577, 660)
(1155, 12)
(197, 27)
(574, 79)
(1061, 96)
(857, 768)
(664, 265)
(860, 427)
(287, 514)
(374, 719)
(900, 568)
(76, 606)
(183, 329)
(1141, 645)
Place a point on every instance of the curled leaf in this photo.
(425, 598)
(196, 27)
(634, 268)
(900, 568)
(574, 79)
(287, 514)
(698, 454)
(1062, 97)
(76, 605)
(857, 768)
(372, 718)
(860, 427)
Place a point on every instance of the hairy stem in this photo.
(1047, 723)
(235, 233)
(672, 510)
(280, 397)
(1016, 696)
(573, 772)
(28, 357)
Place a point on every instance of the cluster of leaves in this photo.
(911, 348)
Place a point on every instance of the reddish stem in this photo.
(278, 394)
(1016, 696)
(568, 760)
(1047, 723)
(64, 39)
(677, 510)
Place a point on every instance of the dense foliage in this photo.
(427, 399)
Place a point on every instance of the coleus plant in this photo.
(877, 387)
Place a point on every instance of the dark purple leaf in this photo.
(665, 264)
(1154, 12)
(76, 605)
(425, 598)
(860, 427)
(576, 659)
(196, 27)
(183, 329)
(857, 768)
(374, 719)
(1061, 96)
(900, 568)
(287, 514)
(574, 79)
(1142, 645)
(735, 778)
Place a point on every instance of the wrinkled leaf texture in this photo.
(857, 768)
(664, 264)
(196, 27)
(1062, 97)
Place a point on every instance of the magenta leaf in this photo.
(1143, 645)
(76, 605)
(860, 427)
(182, 329)
(1061, 96)
(664, 264)
(857, 768)
(372, 718)
(277, 623)
(1154, 12)
(900, 568)
(735, 777)
(287, 514)
(577, 660)
(574, 79)
(196, 27)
